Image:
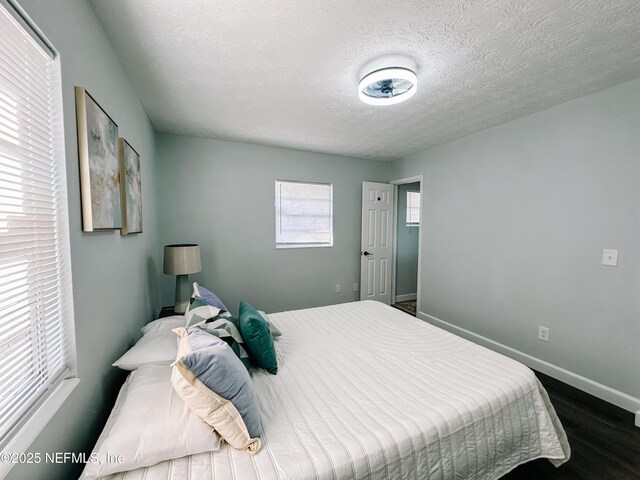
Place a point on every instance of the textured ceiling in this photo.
(285, 72)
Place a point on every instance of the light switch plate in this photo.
(610, 257)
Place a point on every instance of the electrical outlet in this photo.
(356, 287)
(543, 333)
(610, 257)
(338, 288)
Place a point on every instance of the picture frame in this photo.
(130, 188)
(99, 165)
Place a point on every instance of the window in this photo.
(413, 209)
(304, 214)
(36, 306)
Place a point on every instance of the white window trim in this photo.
(304, 245)
(38, 416)
(283, 245)
(37, 421)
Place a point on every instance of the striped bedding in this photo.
(365, 391)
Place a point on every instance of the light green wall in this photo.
(406, 245)
(515, 219)
(514, 223)
(221, 196)
(114, 278)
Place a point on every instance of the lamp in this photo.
(181, 260)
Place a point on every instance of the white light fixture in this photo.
(388, 86)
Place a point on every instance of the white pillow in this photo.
(158, 347)
(273, 328)
(149, 424)
(163, 324)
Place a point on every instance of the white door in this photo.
(376, 251)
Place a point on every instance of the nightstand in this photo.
(166, 312)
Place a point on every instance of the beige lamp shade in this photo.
(182, 259)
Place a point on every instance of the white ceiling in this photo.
(285, 72)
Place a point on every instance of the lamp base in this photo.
(183, 293)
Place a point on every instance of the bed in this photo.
(365, 391)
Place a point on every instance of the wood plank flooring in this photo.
(605, 444)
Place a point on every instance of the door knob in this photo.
(366, 254)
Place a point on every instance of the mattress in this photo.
(365, 391)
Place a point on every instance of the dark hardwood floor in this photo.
(605, 444)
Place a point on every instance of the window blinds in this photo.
(413, 207)
(304, 214)
(35, 282)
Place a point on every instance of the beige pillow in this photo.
(215, 410)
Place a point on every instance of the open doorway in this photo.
(406, 251)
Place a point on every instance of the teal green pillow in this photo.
(257, 339)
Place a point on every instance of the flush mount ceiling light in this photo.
(388, 86)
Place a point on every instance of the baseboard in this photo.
(596, 389)
(407, 297)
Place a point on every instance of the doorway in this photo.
(406, 245)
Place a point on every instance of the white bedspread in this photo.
(366, 391)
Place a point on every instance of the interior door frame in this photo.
(394, 252)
